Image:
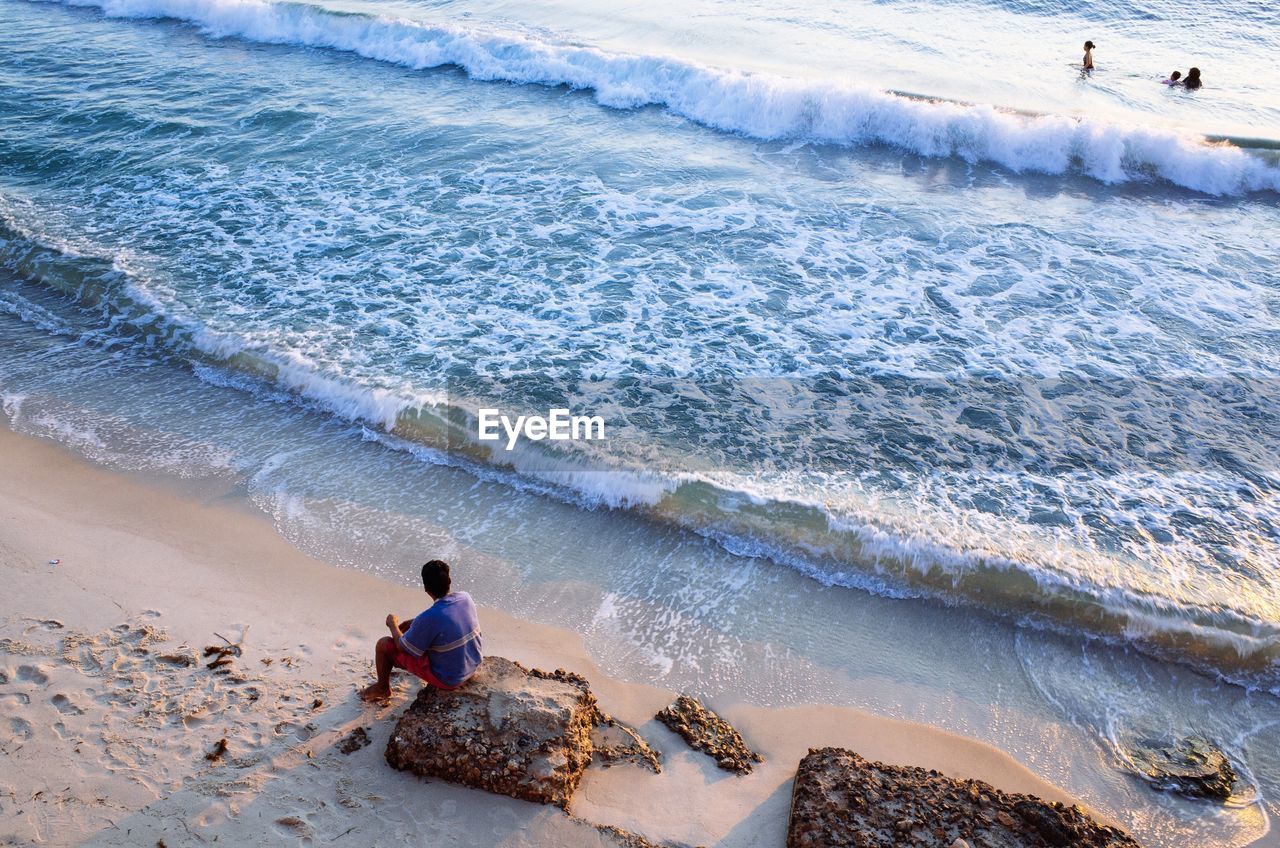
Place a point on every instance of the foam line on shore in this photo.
(863, 549)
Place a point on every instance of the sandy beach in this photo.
(874, 419)
(110, 718)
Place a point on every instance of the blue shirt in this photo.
(448, 634)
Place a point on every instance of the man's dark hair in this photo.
(435, 578)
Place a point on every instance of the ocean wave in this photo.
(762, 106)
(889, 553)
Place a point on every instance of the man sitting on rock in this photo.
(441, 645)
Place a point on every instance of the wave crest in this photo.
(763, 106)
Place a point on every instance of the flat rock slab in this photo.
(510, 730)
(841, 799)
(707, 732)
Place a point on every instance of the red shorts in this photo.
(418, 666)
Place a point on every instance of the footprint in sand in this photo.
(65, 705)
(32, 674)
(81, 656)
(294, 826)
(301, 732)
(19, 697)
(20, 728)
(138, 637)
(44, 623)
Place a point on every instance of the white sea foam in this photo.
(864, 548)
(11, 403)
(763, 106)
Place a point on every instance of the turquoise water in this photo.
(987, 365)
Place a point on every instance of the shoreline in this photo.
(308, 628)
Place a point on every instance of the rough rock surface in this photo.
(841, 799)
(511, 730)
(627, 839)
(707, 732)
(614, 741)
(1194, 767)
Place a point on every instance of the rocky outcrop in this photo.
(707, 732)
(841, 799)
(511, 730)
(1194, 767)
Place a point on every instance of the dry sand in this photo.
(106, 728)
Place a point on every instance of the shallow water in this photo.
(984, 398)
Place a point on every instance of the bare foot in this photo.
(375, 692)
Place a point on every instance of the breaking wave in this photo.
(763, 106)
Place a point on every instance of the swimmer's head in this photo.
(1088, 45)
(1175, 76)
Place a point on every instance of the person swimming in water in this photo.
(1174, 78)
(1088, 55)
(1193, 79)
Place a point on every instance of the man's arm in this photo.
(398, 628)
(413, 636)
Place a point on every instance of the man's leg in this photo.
(382, 655)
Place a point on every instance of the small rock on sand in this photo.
(354, 741)
(627, 839)
(707, 732)
(1193, 766)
